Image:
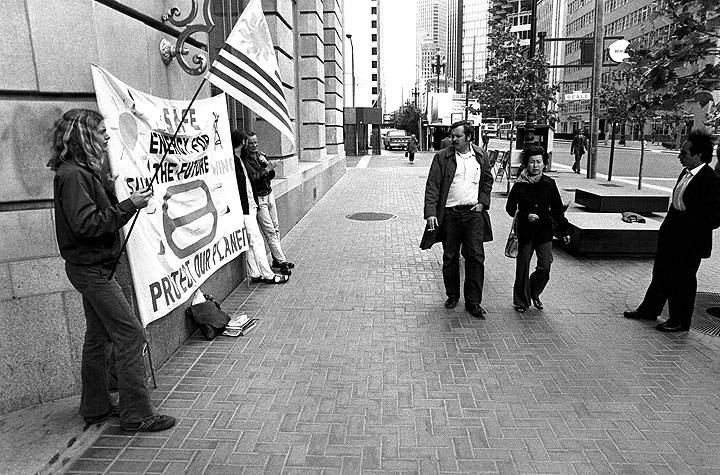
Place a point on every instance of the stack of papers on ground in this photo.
(239, 325)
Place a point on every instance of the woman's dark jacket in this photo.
(543, 199)
(87, 216)
(258, 173)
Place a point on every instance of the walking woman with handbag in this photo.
(535, 203)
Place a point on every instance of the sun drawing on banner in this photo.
(255, 39)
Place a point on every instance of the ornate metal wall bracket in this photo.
(179, 50)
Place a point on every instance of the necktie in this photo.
(677, 198)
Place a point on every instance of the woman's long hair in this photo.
(75, 137)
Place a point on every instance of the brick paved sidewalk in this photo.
(357, 367)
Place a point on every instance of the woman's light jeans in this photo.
(268, 221)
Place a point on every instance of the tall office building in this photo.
(431, 36)
(474, 39)
(517, 12)
(362, 22)
(551, 21)
(629, 19)
(454, 49)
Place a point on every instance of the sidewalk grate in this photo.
(706, 317)
(370, 216)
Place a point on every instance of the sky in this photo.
(397, 51)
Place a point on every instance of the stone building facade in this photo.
(48, 48)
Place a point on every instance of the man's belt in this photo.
(462, 207)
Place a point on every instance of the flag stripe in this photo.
(262, 86)
(274, 88)
(242, 57)
(241, 90)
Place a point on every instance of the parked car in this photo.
(396, 139)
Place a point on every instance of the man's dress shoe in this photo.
(672, 327)
(635, 315)
(475, 310)
(451, 302)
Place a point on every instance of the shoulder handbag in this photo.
(511, 246)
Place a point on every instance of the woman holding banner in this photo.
(87, 220)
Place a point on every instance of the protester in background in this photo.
(412, 147)
(256, 262)
(535, 202)
(87, 219)
(578, 147)
(457, 197)
(685, 238)
(261, 173)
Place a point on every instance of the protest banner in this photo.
(194, 223)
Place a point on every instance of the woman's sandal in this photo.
(277, 279)
(537, 303)
(519, 309)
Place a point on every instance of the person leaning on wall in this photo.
(87, 220)
(261, 172)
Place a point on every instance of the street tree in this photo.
(408, 118)
(642, 102)
(513, 81)
(685, 67)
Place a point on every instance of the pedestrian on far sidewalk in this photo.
(412, 148)
(261, 172)
(457, 197)
(578, 147)
(88, 217)
(535, 203)
(256, 262)
(685, 238)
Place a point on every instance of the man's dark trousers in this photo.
(464, 228)
(674, 280)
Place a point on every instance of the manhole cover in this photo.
(610, 185)
(569, 189)
(370, 216)
(706, 316)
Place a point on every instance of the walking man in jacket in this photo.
(685, 237)
(457, 197)
(578, 147)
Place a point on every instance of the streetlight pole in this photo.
(437, 68)
(352, 65)
(595, 87)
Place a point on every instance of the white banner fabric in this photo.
(194, 223)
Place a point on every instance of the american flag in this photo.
(247, 69)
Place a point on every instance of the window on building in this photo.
(375, 90)
(373, 64)
(373, 10)
(373, 50)
(373, 37)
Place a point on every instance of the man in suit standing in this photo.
(578, 148)
(457, 197)
(685, 237)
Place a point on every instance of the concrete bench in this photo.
(606, 234)
(617, 200)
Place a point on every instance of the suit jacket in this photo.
(442, 172)
(690, 232)
(579, 144)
